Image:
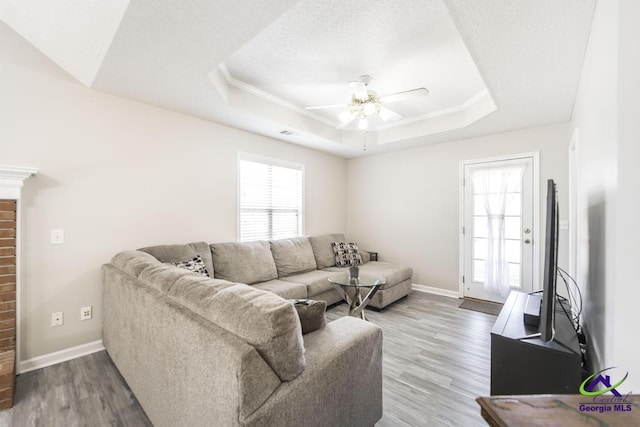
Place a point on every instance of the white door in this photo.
(516, 221)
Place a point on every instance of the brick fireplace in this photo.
(11, 181)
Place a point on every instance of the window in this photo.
(270, 198)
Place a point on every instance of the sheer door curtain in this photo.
(491, 186)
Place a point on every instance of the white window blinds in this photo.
(270, 199)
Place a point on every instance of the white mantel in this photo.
(11, 180)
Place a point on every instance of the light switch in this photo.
(564, 224)
(57, 236)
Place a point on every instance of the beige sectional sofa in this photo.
(229, 349)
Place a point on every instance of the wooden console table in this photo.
(566, 410)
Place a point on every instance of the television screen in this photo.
(547, 308)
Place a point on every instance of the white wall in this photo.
(606, 116)
(595, 117)
(626, 348)
(117, 175)
(405, 204)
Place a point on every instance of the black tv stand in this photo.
(521, 363)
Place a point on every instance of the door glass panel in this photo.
(513, 250)
(478, 270)
(512, 227)
(480, 226)
(480, 248)
(478, 205)
(513, 205)
(514, 275)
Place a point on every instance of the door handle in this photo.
(527, 241)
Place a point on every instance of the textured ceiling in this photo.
(308, 56)
(75, 34)
(283, 55)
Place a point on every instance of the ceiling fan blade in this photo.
(359, 90)
(347, 121)
(401, 96)
(389, 115)
(321, 107)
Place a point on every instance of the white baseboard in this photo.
(59, 356)
(436, 291)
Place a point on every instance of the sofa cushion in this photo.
(322, 249)
(162, 276)
(264, 320)
(316, 281)
(287, 290)
(181, 253)
(346, 254)
(293, 256)
(249, 262)
(195, 265)
(133, 262)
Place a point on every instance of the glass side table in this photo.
(352, 289)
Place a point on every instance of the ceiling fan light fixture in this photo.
(365, 103)
(384, 114)
(370, 109)
(345, 116)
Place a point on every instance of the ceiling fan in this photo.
(365, 104)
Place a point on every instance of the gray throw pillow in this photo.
(311, 314)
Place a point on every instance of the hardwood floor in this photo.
(436, 362)
(87, 391)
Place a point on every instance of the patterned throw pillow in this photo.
(195, 265)
(346, 254)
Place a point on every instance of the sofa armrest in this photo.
(182, 368)
(341, 385)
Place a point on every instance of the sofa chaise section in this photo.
(398, 278)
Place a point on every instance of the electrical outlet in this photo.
(57, 319)
(86, 313)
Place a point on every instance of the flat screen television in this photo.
(547, 307)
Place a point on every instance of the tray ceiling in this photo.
(308, 56)
(490, 65)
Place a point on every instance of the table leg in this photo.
(357, 305)
(356, 302)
